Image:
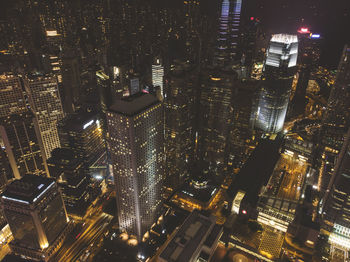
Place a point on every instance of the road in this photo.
(73, 248)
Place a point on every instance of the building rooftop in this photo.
(28, 189)
(80, 121)
(196, 231)
(134, 104)
(199, 193)
(256, 171)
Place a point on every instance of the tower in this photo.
(45, 101)
(270, 109)
(35, 212)
(136, 145)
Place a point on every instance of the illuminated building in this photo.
(23, 144)
(336, 208)
(198, 194)
(216, 115)
(157, 75)
(82, 133)
(5, 171)
(45, 102)
(335, 120)
(11, 95)
(179, 103)
(337, 116)
(136, 144)
(71, 177)
(35, 212)
(195, 240)
(270, 109)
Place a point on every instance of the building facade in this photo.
(23, 145)
(45, 101)
(270, 108)
(136, 144)
(34, 209)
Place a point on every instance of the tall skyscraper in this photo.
(35, 212)
(180, 98)
(336, 119)
(82, 132)
(158, 75)
(217, 84)
(11, 95)
(45, 101)
(23, 145)
(336, 211)
(136, 144)
(270, 109)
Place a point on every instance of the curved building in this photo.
(270, 109)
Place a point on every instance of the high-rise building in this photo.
(269, 111)
(336, 208)
(11, 95)
(82, 133)
(71, 177)
(45, 101)
(23, 144)
(179, 103)
(35, 212)
(158, 75)
(335, 122)
(5, 171)
(336, 119)
(136, 144)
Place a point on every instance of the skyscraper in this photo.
(45, 101)
(34, 209)
(217, 86)
(336, 119)
(11, 95)
(157, 75)
(136, 144)
(180, 99)
(23, 145)
(270, 109)
(336, 211)
(82, 132)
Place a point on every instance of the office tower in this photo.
(69, 172)
(45, 101)
(35, 212)
(216, 115)
(157, 75)
(5, 171)
(240, 137)
(23, 145)
(226, 47)
(269, 111)
(336, 119)
(217, 86)
(82, 133)
(136, 144)
(70, 81)
(180, 98)
(11, 95)
(336, 211)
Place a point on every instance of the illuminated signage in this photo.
(51, 33)
(304, 30)
(88, 124)
(315, 36)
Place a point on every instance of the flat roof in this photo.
(77, 121)
(200, 194)
(134, 104)
(28, 189)
(189, 237)
(257, 170)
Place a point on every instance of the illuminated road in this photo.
(5, 249)
(93, 229)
